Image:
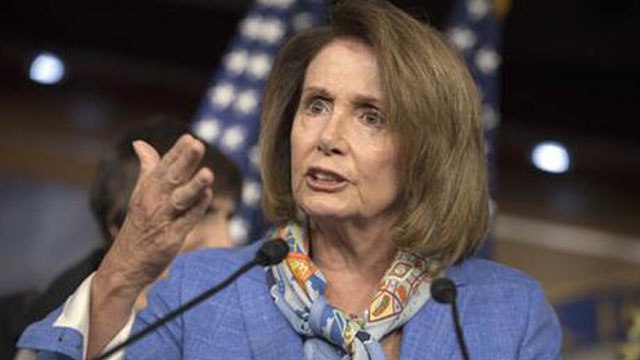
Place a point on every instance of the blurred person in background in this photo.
(113, 183)
(630, 349)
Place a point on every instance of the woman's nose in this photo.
(332, 137)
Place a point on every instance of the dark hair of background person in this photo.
(117, 173)
(431, 105)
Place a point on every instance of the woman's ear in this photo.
(113, 231)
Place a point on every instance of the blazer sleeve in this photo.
(57, 337)
(543, 335)
(166, 341)
(63, 332)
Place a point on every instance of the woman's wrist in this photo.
(113, 288)
(116, 279)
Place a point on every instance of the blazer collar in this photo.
(457, 274)
(431, 334)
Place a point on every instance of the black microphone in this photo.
(444, 291)
(271, 252)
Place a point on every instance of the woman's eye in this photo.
(373, 118)
(317, 106)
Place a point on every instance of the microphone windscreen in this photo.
(443, 290)
(272, 252)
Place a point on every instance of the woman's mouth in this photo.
(324, 180)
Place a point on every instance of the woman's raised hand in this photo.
(169, 199)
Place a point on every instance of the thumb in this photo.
(147, 155)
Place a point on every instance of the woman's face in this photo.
(213, 229)
(344, 163)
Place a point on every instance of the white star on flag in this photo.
(259, 65)
(490, 117)
(250, 27)
(487, 60)
(208, 129)
(302, 21)
(251, 193)
(478, 8)
(233, 137)
(272, 30)
(239, 229)
(247, 102)
(462, 38)
(222, 95)
(254, 156)
(237, 61)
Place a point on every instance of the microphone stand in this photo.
(444, 291)
(271, 253)
(458, 328)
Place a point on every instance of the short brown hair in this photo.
(430, 103)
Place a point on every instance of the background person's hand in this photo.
(170, 198)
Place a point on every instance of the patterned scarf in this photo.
(298, 289)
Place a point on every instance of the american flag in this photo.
(229, 114)
(474, 31)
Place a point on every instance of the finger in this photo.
(147, 156)
(188, 194)
(191, 217)
(183, 167)
(176, 150)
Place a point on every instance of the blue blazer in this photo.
(504, 315)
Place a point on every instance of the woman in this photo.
(373, 169)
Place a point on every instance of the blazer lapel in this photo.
(269, 334)
(430, 334)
